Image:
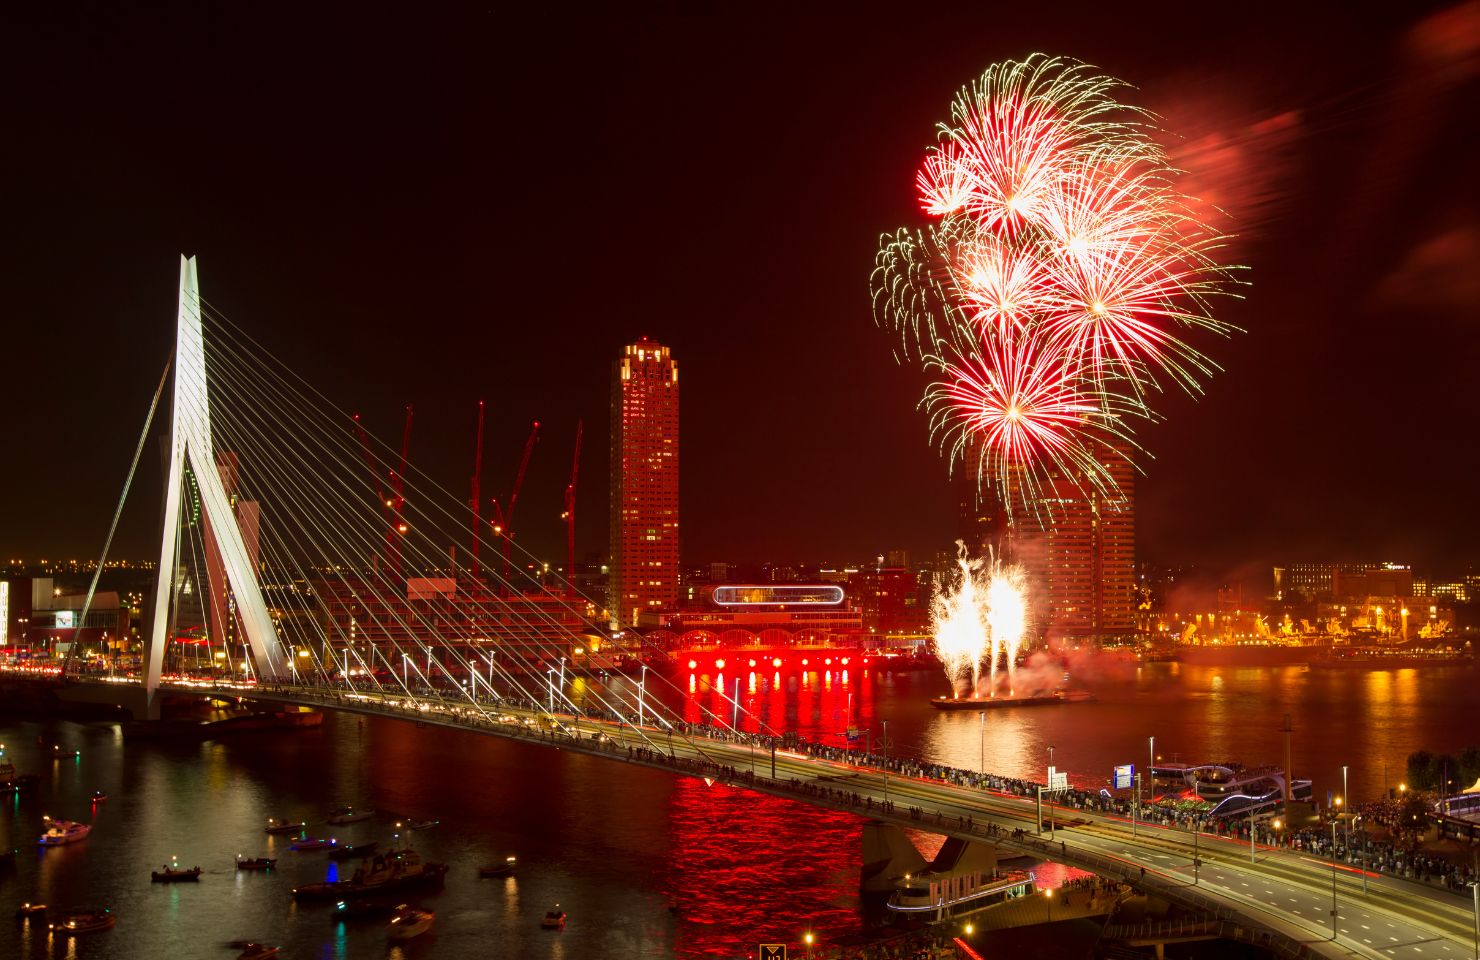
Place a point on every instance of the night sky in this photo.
(431, 209)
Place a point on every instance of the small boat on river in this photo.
(77, 923)
(349, 815)
(175, 875)
(505, 869)
(314, 843)
(352, 851)
(554, 919)
(408, 922)
(29, 910)
(256, 863)
(280, 826)
(257, 951)
(387, 872)
(61, 832)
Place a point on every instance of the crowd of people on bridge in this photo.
(1395, 854)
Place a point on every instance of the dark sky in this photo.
(410, 207)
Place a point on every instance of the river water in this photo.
(646, 864)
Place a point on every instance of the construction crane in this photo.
(381, 503)
(476, 501)
(569, 516)
(398, 494)
(503, 516)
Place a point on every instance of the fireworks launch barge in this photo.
(997, 703)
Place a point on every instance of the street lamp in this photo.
(984, 743)
(1048, 893)
(641, 689)
(808, 939)
(1344, 795)
(1333, 880)
(885, 746)
(1151, 767)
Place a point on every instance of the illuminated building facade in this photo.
(644, 485)
(1079, 552)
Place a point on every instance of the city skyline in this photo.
(1294, 452)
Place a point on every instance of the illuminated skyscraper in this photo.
(644, 484)
(1079, 552)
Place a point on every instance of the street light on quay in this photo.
(1333, 880)
(641, 689)
(984, 743)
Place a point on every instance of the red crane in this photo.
(476, 501)
(503, 517)
(569, 516)
(381, 503)
(398, 488)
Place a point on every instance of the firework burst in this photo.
(1050, 294)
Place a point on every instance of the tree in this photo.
(1469, 766)
(1422, 774)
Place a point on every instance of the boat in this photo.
(351, 851)
(98, 795)
(314, 843)
(505, 869)
(349, 815)
(554, 919)
(57, 753)
(175, 875)
(257, 951)
(383, 873)
(408, 922)
(18, 782)
(360, 910)
(80, 922)
(7, 858)
(997, 703)
(255, 863)
(1227, 789)
(30, 910)
(421, 824)
(935, 894)
(279, 825)
(60, 832)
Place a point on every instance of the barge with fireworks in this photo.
(998, 703)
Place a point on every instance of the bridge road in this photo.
(1283, 891)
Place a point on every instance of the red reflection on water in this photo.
(750, 868)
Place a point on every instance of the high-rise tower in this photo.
(644, 486)
(1075, 544)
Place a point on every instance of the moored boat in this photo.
(349, 815)
(81, 922)
(360, 910)
(505, 869)
(60, 832)
(408, 922)
(279, 825)
(256, 863)
(314, 843)
(351, 851)
(392, 871)
(554, 919)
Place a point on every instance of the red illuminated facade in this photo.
(644, 485)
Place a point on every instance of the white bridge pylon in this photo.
(190, 437)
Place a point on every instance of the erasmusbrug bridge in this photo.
(301, 562)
